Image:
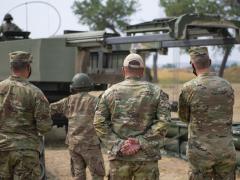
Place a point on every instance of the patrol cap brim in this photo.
(20, 56)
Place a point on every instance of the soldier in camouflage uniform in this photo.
(206, 104)
(9, 26)
(83, 143)
(131, 119)
(24, 114)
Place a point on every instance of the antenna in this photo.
(26, 16)
(38, 2)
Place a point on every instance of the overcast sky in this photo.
(43, 21)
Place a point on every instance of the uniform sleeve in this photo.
(42, 114)
(183, 107)
(60, 107)
(158, 128)
(102, 122)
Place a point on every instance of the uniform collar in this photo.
(17, 78)
(207, 74)
(133, 78)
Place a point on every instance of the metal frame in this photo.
(166, 41)
(183, 31)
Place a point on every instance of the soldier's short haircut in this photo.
(19, 66)
(134, 70)
(201, 61)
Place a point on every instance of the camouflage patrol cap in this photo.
(20, 56)
(133, 61)
(198, 51)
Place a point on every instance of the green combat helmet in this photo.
(8, 16)
(81, 82)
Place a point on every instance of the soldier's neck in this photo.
(202, 71)
(133, 77)
(20, 74)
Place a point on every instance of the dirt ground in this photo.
(58, 164)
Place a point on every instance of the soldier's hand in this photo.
(133, 141)
(130, 147)
(131, 150)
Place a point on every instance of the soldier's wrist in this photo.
(116, 148)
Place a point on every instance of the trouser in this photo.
(206, 166)
(19, 165)
(88, 157)
(133, 170)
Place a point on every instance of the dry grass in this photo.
(173, 76)
(232, 74)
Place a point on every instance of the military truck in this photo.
(100, 54)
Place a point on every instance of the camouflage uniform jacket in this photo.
(9, 27)
(24, 113)
(79, 109)
(133, 108)
(206, 104)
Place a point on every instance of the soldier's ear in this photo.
(123, 71)
(210, 62)
(29, 71)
